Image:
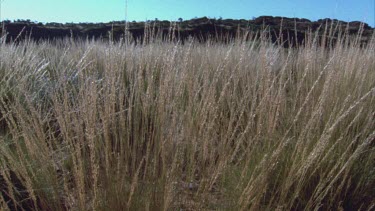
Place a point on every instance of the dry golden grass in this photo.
(248, 125)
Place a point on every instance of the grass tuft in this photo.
(92, 125)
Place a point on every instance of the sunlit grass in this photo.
(92, 125)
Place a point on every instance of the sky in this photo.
(140, 10)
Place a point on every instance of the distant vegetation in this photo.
(292, 29)
(247, 125)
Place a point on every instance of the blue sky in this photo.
(140, 10)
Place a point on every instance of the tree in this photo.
(180, 19)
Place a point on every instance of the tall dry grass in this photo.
(92, 125)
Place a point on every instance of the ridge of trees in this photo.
(196, 27)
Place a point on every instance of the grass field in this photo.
(247, 125)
